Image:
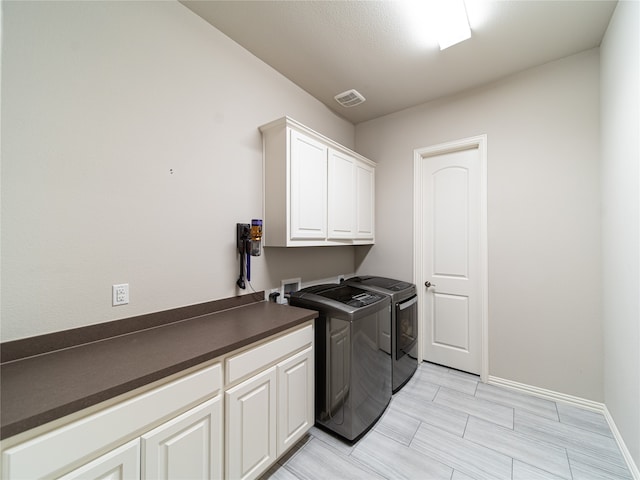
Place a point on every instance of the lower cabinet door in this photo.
(251, 426)
(186, 447)
(122, 463)
(295, 398)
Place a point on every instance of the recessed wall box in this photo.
(288, 286)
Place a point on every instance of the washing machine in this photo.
(352, 356)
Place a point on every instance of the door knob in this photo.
(429, 284)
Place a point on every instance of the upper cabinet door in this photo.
(365, 201)
(342, 196)
(308, 173)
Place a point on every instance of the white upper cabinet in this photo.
(308, 201)
(365, 201)
(316, 192)
(341, 196)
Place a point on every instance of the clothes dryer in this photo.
(404, 323)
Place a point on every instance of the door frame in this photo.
(419, 155)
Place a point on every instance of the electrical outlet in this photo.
(275, 298)
(120, 294)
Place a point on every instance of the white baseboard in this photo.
(577, 402)
(623, 448)
(548, 394)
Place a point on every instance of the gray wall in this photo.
(620, 103)
(542, 129)
(100, 101)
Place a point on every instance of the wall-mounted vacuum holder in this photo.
(248, 240)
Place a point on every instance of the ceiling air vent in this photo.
(350, 98)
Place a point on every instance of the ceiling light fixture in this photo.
(451, 25)
(442, 20)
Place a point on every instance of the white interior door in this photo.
(451, 271)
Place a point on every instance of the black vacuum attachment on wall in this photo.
(248, 238)
(242, 235)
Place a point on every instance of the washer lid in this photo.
(353, 296)
(382, 282)
(343, 293)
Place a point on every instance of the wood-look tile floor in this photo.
(445, 424)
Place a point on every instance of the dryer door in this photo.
(406, 327)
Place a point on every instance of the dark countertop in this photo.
(38, 389)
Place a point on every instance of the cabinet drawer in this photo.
(255, 359)
(82, 440)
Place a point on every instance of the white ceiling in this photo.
(327, 47)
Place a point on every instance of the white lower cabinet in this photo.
(123, 463)
(186, 447)
(177, 430)
(251, 426)
(273, 405)
(295, 399)
(268, 414)
(79, 443)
